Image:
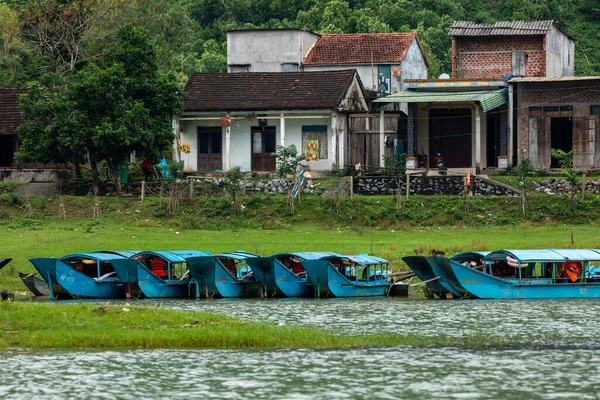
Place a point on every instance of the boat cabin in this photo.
(361, 268)
(95, 265)
(293, 261)
(167, 265)
(235, 263)
(544, 266)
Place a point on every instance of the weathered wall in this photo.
(533, 132)
(366, 73)
(414, 65)
(560, 54)
(427, 185)
(28, 175)
(266, 50)
(491, 57)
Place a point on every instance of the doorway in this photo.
(210, 153)
(450, 134)
(493, 139)
(263, 144)
(561, 137)
(7, 150)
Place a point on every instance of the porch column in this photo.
(502, 160)
(511, 131)
(228, 147)
(334, 147)
(282, 129)
(382, 138)
(477, 139)
(411, 163)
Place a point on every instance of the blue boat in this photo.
(84, 275)
(437, 274)
(348, 276)
(158, 274)
(283, 275)
(533, 274)
(224, 275)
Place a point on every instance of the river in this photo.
(538, 363)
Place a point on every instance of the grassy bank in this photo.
(87, 326)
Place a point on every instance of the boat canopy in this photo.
(126, 253)
(308, 255)
(546, 255)
(361, 260)
(175, 255)
(470, 254)
(94, 256)
(237, 255)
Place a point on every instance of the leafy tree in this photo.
(288, 160)
(524, 172)
(111, 108)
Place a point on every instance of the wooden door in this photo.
(450, 134)
(210, 154)
(262, 146)
(584, 142)
(539, 142)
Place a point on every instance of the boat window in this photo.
(86, 266)
(230, 265)
(178, 270)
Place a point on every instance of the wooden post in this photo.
(143, 190)
(407, 185)
(583, 187)
(351, 187)
(191, 187)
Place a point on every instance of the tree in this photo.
(565, 160)
(115, 106)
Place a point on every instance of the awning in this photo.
(489, 99)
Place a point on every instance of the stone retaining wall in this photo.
(554, 185)
(428, 185)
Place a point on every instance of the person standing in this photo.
(146, 168)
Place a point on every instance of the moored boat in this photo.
(348, 276)
(89, 275)
(533, 274)
(158, 274)
(283, 275)
(224, 275)
(37, 286)
(437, 274)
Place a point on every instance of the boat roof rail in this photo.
(546, 255)
(94, 256)
(308, 255)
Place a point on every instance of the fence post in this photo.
(407, 185)
(583, 187)
(191, 187)
(143, 190)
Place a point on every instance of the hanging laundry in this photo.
(312, 150)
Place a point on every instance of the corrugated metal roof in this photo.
(556, 79)
(489, 99)
(503, 28)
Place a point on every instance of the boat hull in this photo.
(154, 287)
(47, 269)
(37, 286)
(214, 280)
(81, 285)
(278, 281)
(423, 267)
(127, 271)
(485, 286)
(327, 282)
(447, 277)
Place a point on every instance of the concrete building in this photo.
(237, 120)
(517, 48)
(558, 113)
(268, 50)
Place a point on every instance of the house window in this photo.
(551, 111)
(595, 110)
(289, 67)
(239, 68)
(314, 139)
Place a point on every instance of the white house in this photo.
(238, 119)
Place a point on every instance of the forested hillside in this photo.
(189, 35)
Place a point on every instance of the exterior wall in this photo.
(266, 51)
(491, 57)
(414, 65)
(560, 53)
(241, 138)
(566, 93)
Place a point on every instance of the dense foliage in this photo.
(189, 35)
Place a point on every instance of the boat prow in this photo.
(4, 262)
(37, 286)
(47, 270)
(127, 271)
(426, 269)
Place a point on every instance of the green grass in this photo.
(83, 325)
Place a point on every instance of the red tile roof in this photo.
(362, 48)
(259, 91)
(10, 114)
